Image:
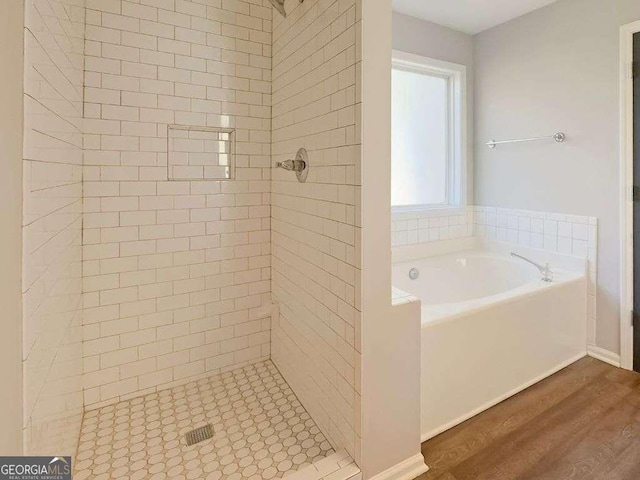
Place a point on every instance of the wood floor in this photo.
(582, 423)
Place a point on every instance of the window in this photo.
(428, 134)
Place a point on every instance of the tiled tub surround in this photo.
(261, 431)
(52, 228)
(410, 228)
(176, 273)
(316, 233)
(566, 234)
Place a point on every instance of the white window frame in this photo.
(457, 156)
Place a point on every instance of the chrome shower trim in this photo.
(279, 5)
(300, 165)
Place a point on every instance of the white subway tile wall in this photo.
(176, 273)
(316, 225)
(52, 225)
(568, 234)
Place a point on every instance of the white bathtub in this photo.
(490, 326)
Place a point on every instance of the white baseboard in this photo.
(407, 470)
(604, 355)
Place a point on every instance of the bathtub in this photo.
(490, 326)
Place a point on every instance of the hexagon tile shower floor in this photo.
(260, 430)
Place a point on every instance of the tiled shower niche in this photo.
(200, 153)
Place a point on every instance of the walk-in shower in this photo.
(160, 336)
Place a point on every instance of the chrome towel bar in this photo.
(558, 137)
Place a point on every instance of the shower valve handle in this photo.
(292, 165)
(300, 166)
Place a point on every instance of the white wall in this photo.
(176, 273)
(390, 373)
(556, 69)
(52, 224)
(11, 114)
(428, 39)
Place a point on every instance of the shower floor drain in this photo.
(198, 435)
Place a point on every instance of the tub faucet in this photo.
(547, 274)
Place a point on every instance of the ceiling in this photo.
(469, 16)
